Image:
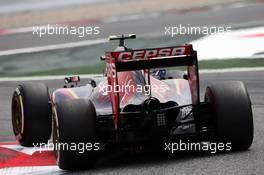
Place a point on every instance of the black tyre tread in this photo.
(76, 123)
(37, 113)
(232, 110)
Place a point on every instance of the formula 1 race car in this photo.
(136, 102)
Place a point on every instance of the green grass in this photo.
(231, 63)
(206, 64)
(97, 69)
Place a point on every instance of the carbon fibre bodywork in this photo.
(176, 90)
(169, 92)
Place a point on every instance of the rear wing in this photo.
(152, 58)
(146, 59)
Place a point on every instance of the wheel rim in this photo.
(55, 135)
(17, 116)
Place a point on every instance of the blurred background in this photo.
(24, 53)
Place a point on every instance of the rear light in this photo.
(161, 119)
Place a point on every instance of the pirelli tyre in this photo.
(31, 114)
(232, 113)
(75, 134)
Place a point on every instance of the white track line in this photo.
(131, 17)
(61, 77)
(242, 43)
(226, 70)
(52, 47)
(40, 170)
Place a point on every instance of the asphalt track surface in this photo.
(246, 162)
(233, 15)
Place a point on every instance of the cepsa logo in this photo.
(150, 53)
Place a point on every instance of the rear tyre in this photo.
(31, 114)
(75, 125)
(232, 113)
